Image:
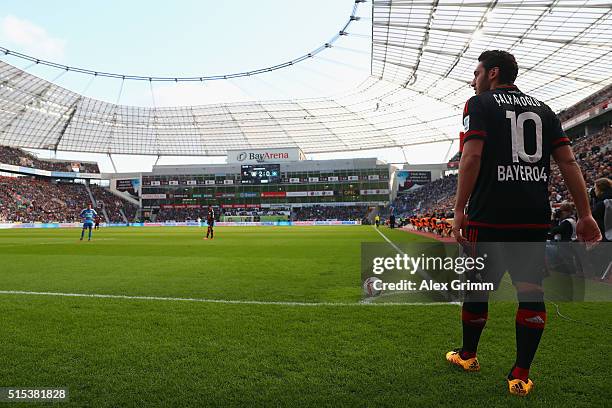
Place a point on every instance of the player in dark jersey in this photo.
(504, 172)
(210, 220)
(97, 222)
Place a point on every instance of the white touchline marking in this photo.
(223, 301)
(422, 273)
(401, 292)
(57, 241)
(419, 271)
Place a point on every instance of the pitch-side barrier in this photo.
(18, 225)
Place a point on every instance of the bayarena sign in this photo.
(265, 155)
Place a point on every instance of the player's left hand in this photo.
(588, 231)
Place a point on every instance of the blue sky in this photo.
(181, 38)
(188, 37)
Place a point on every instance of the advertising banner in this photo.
(297, 193)
(374, 192)
(271, 194)
(132, 186)
(252, 156)
(160, 196)
(406, 179)
(248, 195)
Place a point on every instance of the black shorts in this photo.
(520, 252)
(210, 223)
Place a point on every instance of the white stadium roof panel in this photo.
(423, 54)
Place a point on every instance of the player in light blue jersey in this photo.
(88, 215)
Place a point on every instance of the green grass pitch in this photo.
(147, 353)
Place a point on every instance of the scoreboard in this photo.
(132, 186)
(407, 179)
(260, 173)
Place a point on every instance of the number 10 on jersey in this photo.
(518, 136)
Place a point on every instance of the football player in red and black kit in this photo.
(210, 220)
(504, 172)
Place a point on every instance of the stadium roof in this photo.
(422, 58)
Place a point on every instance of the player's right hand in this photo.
(459, 224)
(587, 230)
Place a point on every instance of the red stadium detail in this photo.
(507, 226)
(560, 141)
(470, 133)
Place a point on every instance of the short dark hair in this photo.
(603, 184)
(508, 68)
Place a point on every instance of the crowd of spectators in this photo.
(256, 212)
(324, 213)
(29, 199)
(599, 97)
(437, 196)
(25, 199)
(114, 205)
(18, 157)
(181, 214)
(593, 154)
